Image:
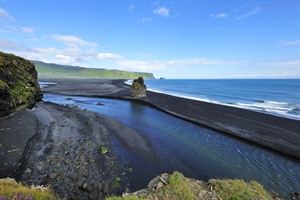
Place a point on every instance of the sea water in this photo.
(279, 97)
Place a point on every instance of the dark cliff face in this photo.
(18, 84)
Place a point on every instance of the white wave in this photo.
(184, 96)
(271, 107)
(275, 102)
(128, 82)
(44, 84)
(266, 106)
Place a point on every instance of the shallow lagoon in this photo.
(195, 151)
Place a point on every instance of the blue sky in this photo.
(173, 39)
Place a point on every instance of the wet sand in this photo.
(276, 133)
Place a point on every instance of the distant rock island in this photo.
(18, 84)
(50, 69)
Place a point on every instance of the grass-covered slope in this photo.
(10, 189)
(67, 70)
(178, 187)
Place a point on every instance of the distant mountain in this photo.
(50, 69)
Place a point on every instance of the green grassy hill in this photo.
(47, 69)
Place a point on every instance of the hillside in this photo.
(67, 70)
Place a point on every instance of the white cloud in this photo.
(71, 55)
(293, 63)
(5, 14)
(167, 64)
(202, 62)
(220, 15)
(162, 11)
(9, 45)
(155, 3)
(289, 43)
(65, 60)
(131, 7)
(249, 14)
(144, 20)
(142, 65)
(238, 14)
(73, 41)
(143, 55)
(109, 56)
(27, 30)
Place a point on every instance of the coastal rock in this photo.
(18, 84)
(176, 186)
(138, 88)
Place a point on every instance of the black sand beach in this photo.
(67, 148)
(277, 133)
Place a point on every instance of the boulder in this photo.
(138, 88)
(18, 84)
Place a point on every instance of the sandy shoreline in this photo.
(276, 133)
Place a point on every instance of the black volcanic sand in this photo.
(15, 132)
(60, 146)
(277, 133)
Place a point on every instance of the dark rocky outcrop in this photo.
(138, 88)
(18, 84)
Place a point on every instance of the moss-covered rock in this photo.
(18, 84)
(178, 187)
(138, 88)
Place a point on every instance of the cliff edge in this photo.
(18, 84)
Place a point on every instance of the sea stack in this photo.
(138, 88)
(19, 88)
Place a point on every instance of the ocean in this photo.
(279, 97)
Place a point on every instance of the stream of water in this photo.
(195, 151)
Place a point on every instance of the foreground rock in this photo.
(18, 84)
(138, 88)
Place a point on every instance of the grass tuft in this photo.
(239, 189)
(10, 189)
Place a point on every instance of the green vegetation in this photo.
(115, 183)
(127, 198)
(22, 93)
(239, 189)
(18, 85)
(182, 188)
(103, 150)
(10, 189)
(3, 85)
(66, 70)
(179, 187)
